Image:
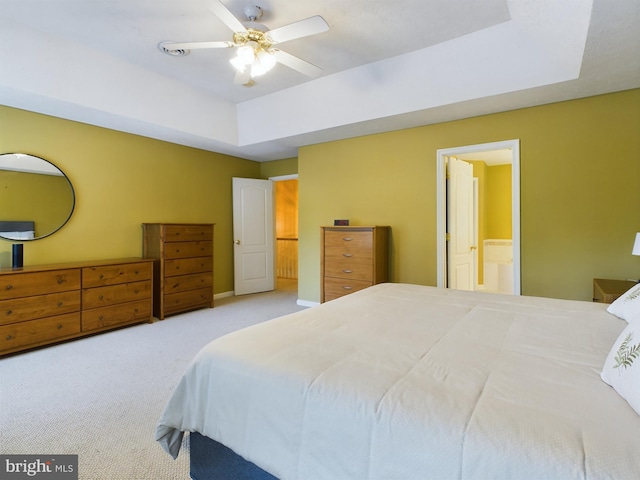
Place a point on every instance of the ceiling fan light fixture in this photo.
(266, 59)
(238, 64)
(247, 53)
(263, 63)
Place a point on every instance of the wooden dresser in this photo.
(183, 273)
(353, 258)
(40, 305)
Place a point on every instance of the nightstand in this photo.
(606, 291)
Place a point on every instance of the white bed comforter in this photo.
(410, 382)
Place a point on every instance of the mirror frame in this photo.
(73, 198)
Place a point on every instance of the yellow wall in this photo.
(580, 205)
(278, 168)
(121, 181)
(498, 202)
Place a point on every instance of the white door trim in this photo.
(293, 176)
(441, 192)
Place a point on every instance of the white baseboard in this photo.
(307, 303)
(223, 295)
(302, 303)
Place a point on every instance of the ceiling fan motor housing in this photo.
(256, 32)
(253, 12)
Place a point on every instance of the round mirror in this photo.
(36, 198)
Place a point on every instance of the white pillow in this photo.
(627, 306)
(621, 370)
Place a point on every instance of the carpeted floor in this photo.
(100, 397)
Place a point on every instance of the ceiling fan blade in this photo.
(194, 45)
(296, 63)
(220, 11)
(302, 28)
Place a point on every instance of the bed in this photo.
(402, 381)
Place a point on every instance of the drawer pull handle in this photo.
(9, 287)
(59, 327)
(347, 239)
(137, 272)
(101, 317)
(101, 297)
(347, 271)
(136, 291)
(9, 312)
(347, 255)
(101, 277)
(9, 337)
(61, 281)
(60, 304)
(346, 287)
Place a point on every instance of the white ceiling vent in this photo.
(179, 52)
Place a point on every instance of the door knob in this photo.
(237, 242)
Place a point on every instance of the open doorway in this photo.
(286, 216)
(479, 245)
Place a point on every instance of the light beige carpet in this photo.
(100, 397)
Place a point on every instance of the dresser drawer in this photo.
(352, 242)
(187, 233)
(21, 309)
(114, 294)
(183, 283)
(115, 274)
(188, 249)
(38, 283)
(37, 332)
(178, 302)
(356, 268)
(183, 266)
(337, 287)
(114, 315)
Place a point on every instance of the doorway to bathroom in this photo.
(478, 217)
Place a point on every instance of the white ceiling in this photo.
(387, 65)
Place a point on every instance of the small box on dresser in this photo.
(183, 273)
(353, 258)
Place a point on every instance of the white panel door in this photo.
(460, 225)
(253, 236)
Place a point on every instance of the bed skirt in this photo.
(210, 460)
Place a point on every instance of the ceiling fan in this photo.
(255, 43)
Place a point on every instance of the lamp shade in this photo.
(636, 245)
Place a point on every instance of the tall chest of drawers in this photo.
(40, 305)
(353, 258)
(183, 273)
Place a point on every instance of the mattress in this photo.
(404, 381)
